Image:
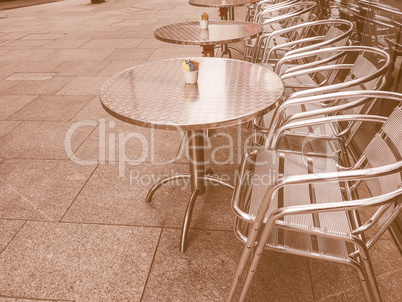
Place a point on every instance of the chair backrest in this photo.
(285, 14)
(333, 105)
(374, 22)
(306, 37)
(334, 69)
(277, 17)
(394, 40)
(384, 149)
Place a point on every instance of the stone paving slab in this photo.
(43, 140)
(7, 4)
(78, 262)
(40, 189)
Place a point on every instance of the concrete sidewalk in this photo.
(72, 229)
(11, 4)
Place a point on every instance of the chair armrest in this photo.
(350, 175)
(321, 121)
(335, 206)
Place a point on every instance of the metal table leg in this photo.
(197, 179)
(226, 13)
(230, 12)
(223, 13)
(208, 50)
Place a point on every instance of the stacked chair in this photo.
(329, 70)
(297, 190)
(308, 205)
(275, 17)
(377, 25)
(394, 42)
(303, 37)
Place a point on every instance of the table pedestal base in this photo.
(226, 50)
(226, 13)
(208, 50)
(197, 177)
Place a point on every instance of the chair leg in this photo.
(368, 296)
(370, 276)
(398, 79)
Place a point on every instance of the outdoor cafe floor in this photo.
(74, 226)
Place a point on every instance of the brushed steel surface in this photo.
(218, 32)
(228, 91)
(220, 3)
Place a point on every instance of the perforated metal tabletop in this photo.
(218, 32)
(228, 91)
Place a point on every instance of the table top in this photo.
(218, 32)
(155, 94)
(221, 3)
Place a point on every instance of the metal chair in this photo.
(302, 131)
(374, 22)
(338, 69)
(258, 6)
(276, 17)
(332, 69)
(395, 49)
(308, 206)
(305, 37)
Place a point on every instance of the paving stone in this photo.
(58, 108)
(78, 262)
(26, 55)
(130, 54)
(5, 85)
(42, 36)
(93, 111)
(36, 76)
(24, 43)
(116, 195)
(112, 43)
(62, 43)
(40, 189)
(74, 68)
(154, 43)
(7, 126)
(44, 140)
(12, 103)
(24, 66)
(342, 284)
(13, 35)
(8, 229)
(115, 67)
(180, 52)
(205, 271)
(44, 87)
(83, 55)
(83, 86)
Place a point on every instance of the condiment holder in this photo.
(190, 69)
(204, 21)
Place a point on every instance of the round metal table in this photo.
(154, 94)
(218, 33)
(226, 7)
